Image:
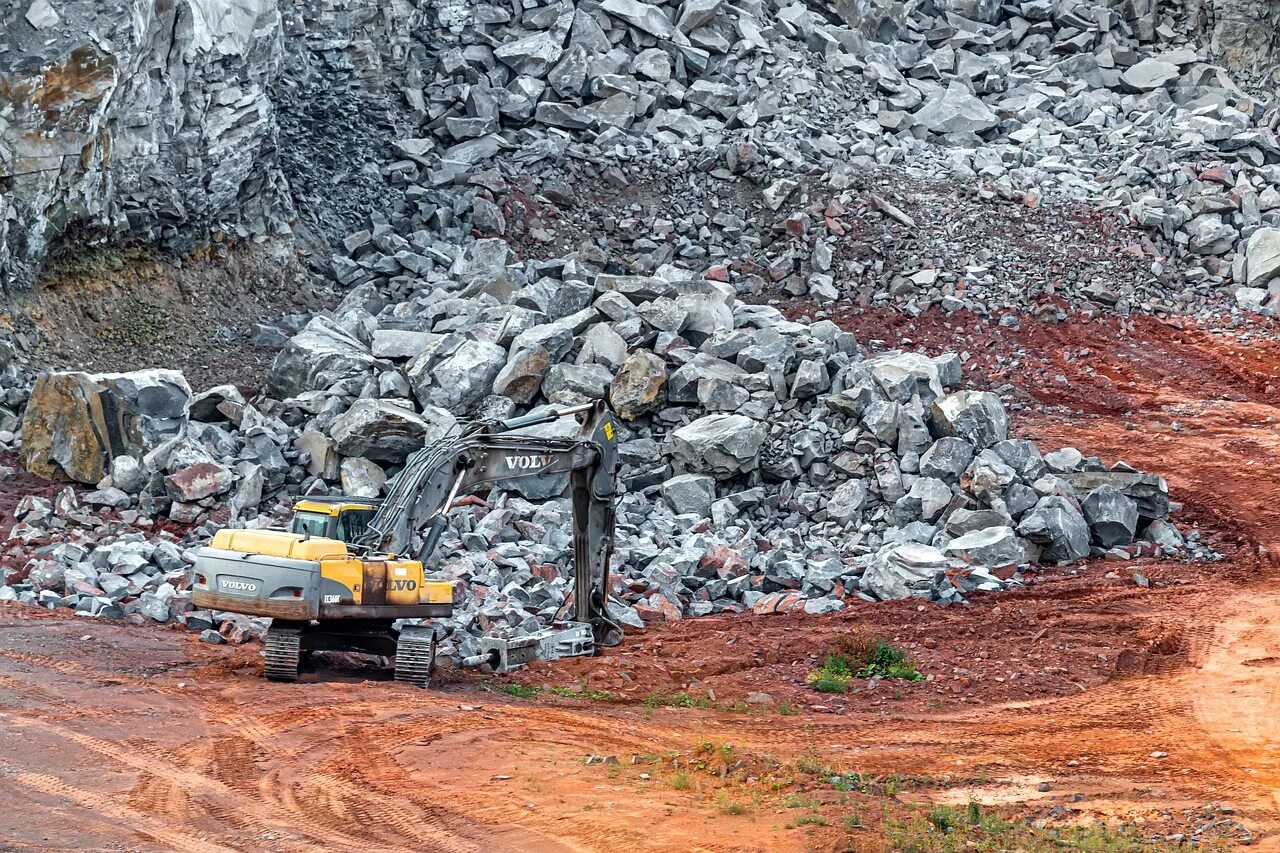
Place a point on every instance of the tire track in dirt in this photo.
(1237, 706)
(222, 799)
(140, 823)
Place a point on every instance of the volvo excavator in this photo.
(349, 569)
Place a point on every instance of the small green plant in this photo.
(832, 677)
(861, 655)
(680, 781)
(886, 661)
(892, 786)
(811, 820)
(786, 709)
(520, 690)
(674, 700)
(853, 821)
(975, 813)
(943, 819)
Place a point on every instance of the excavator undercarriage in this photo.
(324, 593)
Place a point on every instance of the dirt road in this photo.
(1152, 706)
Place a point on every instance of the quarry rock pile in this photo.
(561, 202)
(767, 464)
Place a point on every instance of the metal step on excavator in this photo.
(350, 569)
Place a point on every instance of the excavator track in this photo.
(284, 650)
(416, 654)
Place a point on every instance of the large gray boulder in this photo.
(459, 380)
(984, 11)
(904, 571)
(946, 459)
(690, 493)
(384, 431)
(976, 416)
(1262, 257)
(1112, 516)
(1022, 456)
(992, 547)
(720, 445)
(569, 384)
(76, 423)
(1148, 75)
(1149, 492)
(1058, 528)
(956, 110)
(902, 375)
(362, 478)
(847, 501)
(316, 358)
(648, 17)
(682, 386)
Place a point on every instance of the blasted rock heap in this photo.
(575, 201)
(767, 464)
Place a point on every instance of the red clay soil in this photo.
(1082, 697)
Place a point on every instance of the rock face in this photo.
(1242, 32)
(76, 423)
(138, 117)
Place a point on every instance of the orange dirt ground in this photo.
(1158, 707)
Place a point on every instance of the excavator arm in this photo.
(415, 513)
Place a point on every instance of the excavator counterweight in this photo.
(346, 588)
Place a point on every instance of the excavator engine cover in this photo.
(292, 577)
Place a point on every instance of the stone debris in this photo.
(597, 201)
(891, 481)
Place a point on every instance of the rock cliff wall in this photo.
(145, 118)
(1244, 33)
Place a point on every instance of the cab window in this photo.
(311, 524)
(353, 523)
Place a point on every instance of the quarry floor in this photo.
(1155, 705)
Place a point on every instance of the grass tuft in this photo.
(859, 654)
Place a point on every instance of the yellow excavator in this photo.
(349, 569)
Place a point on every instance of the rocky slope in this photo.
(183, 121)
(579, 201)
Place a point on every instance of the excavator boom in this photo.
(415, 513)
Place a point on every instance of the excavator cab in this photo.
(336, 517)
